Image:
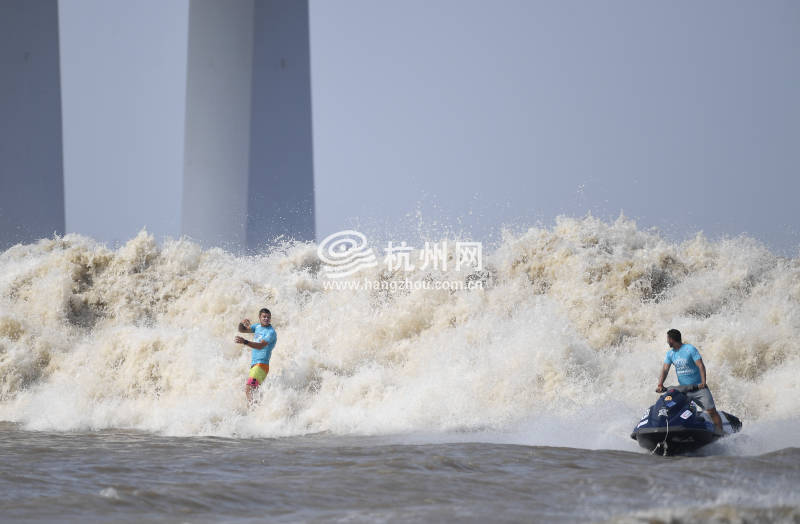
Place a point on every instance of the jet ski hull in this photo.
(678, 440)
(675, 425)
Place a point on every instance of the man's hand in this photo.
(701, 385)
(662, 377)
(240, 340)
(246, 323)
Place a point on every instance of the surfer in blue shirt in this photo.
(262, 345)
(691, 371)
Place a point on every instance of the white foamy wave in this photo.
(569, 328)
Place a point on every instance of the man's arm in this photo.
(702, 368)
(250, 344)
(269, 339)
(662, 377)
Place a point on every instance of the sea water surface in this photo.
(121, 389)
(129, 476)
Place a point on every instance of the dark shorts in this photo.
(703, 398)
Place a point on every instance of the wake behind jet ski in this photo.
(676, 425)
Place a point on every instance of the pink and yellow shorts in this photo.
(258, 372)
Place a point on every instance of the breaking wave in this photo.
(561, 345)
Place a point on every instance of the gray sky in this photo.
(684, 115)
(123, 84)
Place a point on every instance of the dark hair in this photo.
(265, 310)
(674, 334)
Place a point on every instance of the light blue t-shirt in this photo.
(263, 334)
(685, 367)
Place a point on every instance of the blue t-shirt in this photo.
(263, 334)
(685, 364)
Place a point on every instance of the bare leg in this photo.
(248, 392)
(717, 420)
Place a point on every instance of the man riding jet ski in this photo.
(693, 427)
(675, 424)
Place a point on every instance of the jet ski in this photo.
(675, 425)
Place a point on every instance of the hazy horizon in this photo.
(469, 115)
